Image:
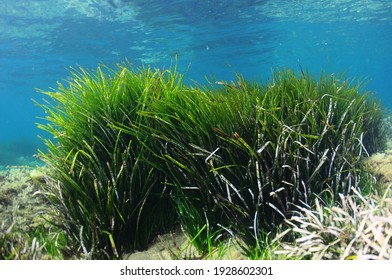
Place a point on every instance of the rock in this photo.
(37, 176)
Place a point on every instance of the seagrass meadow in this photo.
(136, 152)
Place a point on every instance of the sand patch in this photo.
(176, 245)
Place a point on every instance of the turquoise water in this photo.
(40, 40)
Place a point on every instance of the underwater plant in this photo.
(357, 228)
(110, 198)
(241, 155)
(15, 246)
(135, 152)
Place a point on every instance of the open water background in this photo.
(40, 40)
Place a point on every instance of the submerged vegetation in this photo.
(240, 156)
(111, 198)
(136, 152)
(357, 228)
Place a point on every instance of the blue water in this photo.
(40, 40)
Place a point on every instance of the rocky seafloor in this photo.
(21, 202)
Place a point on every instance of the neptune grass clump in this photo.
(109, 197)
(240, 155)
(136, 152)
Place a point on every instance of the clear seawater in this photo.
(40, 40)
